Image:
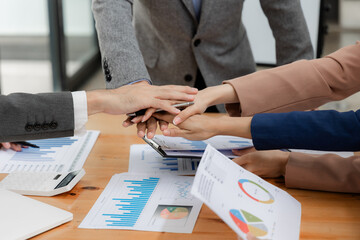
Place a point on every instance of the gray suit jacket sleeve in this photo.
(124, 64)
(35, 116)
(290, 30)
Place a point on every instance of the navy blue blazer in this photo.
(316, 130)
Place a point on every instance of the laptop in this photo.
(22, 217)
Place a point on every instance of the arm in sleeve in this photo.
(290, 30)
(328, 172)
(316, 130)
(35, 116)
(298, 86)
(122, 60)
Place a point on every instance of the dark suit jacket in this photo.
(169, 44)
(300, 86)
(34, 116)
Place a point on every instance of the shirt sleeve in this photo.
(80, 112)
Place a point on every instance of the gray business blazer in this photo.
(34, 116)
(167, 44)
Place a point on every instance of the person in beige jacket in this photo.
(301, 85)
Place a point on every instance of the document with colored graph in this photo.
(160, 203)
(244, 201)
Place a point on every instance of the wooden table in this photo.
(324, 215)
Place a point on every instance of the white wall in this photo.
(23, 17)
(30, 17)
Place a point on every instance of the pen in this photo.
(23, 143)
(142, 111)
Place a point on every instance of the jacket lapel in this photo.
(205, 13)
(190, 7)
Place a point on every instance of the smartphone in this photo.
(178, 105)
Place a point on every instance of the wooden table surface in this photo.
(324, 215)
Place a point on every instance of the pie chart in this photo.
(174, 213)
(248, 223)
(255, 191)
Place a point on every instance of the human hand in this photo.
(197, 127)
(131, 98)
(263, 163)
(149, 127)
(249, 236)
(13, 146)
(208, 97)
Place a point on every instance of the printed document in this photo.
(244, 201)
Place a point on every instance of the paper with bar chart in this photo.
(143, 159)
(145, 202)
(54, 155)
(179, 147)
(244, 201)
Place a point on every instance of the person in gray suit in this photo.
(47, 115)
(190, 42)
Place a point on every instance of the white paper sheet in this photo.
(244, 201)
(143, 159)
(160, 203)
(54, 155)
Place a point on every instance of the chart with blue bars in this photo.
(46, 151)
(143, 159)
(218, 142)
(130, 207)
(182, 164)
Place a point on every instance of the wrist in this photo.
(221, 94)
(284, 160)
(236, 126)
(94, 102)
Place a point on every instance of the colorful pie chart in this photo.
(255, 191)
(248, 223)
(174, 213)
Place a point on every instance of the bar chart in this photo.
(131, 207)
(45, 152)
(53, 155)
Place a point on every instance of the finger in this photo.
(151, 125)
(168, 94)
(185, 89)
(241, 161)
(15, 147)
(163, 125)
(136, 119)
(141, 127)
(6, 145)
(149, 112)
(185, 114)
(127, 122)
(241, 152)
(165, 105)
(175, 132)
(249, 236)
(164, 117)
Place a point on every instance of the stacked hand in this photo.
(13, 146)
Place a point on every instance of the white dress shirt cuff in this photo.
(80, 112)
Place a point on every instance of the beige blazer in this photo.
(300, 86)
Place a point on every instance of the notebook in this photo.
(22, 217)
